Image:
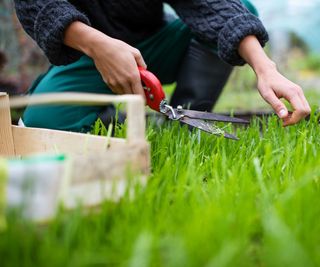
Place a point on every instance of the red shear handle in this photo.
(152, 89)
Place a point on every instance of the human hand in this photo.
(273, 86)
(118, 64)
(116, 61)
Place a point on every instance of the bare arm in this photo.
(272, 85)
(115, 60)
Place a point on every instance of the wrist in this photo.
(84, 38)
(264, 67)
(92, 42)
(252, 52)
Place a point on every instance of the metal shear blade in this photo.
(209, 116)
(200, 120)
(207, 127)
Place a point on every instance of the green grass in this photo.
(209, 202)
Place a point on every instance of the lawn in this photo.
(209, 202)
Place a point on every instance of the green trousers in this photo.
(162, 52)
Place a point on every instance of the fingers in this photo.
(118, 87)
(272, 86)
(296, 98)
(136, 85)
(276, 104)
(300, 105)
(120, 71)
(304, 101)
(139, 59)
(129, 83)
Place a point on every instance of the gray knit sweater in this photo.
(224, 22)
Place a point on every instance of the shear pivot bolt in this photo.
(151, 96)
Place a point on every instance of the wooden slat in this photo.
(135, 107)
(136, 121)
(30, 141)
(72, 98)
(6, 139)
(111, 164)
(95, 176)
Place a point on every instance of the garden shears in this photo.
(156, 100)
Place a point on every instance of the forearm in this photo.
(83, 38)
(252, 52)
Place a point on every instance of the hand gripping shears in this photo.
(156, 100)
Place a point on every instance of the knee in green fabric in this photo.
(80, 76)
(251, 7)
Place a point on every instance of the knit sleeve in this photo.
(224, 22)
(45, 21)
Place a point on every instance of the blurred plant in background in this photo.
(22, 60)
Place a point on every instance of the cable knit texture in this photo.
(225, 22)
(45, 21)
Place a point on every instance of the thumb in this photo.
(277, 105)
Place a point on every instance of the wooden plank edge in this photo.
(28, 141)
(72, 98)
(6, 135)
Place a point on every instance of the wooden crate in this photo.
(95, 161)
